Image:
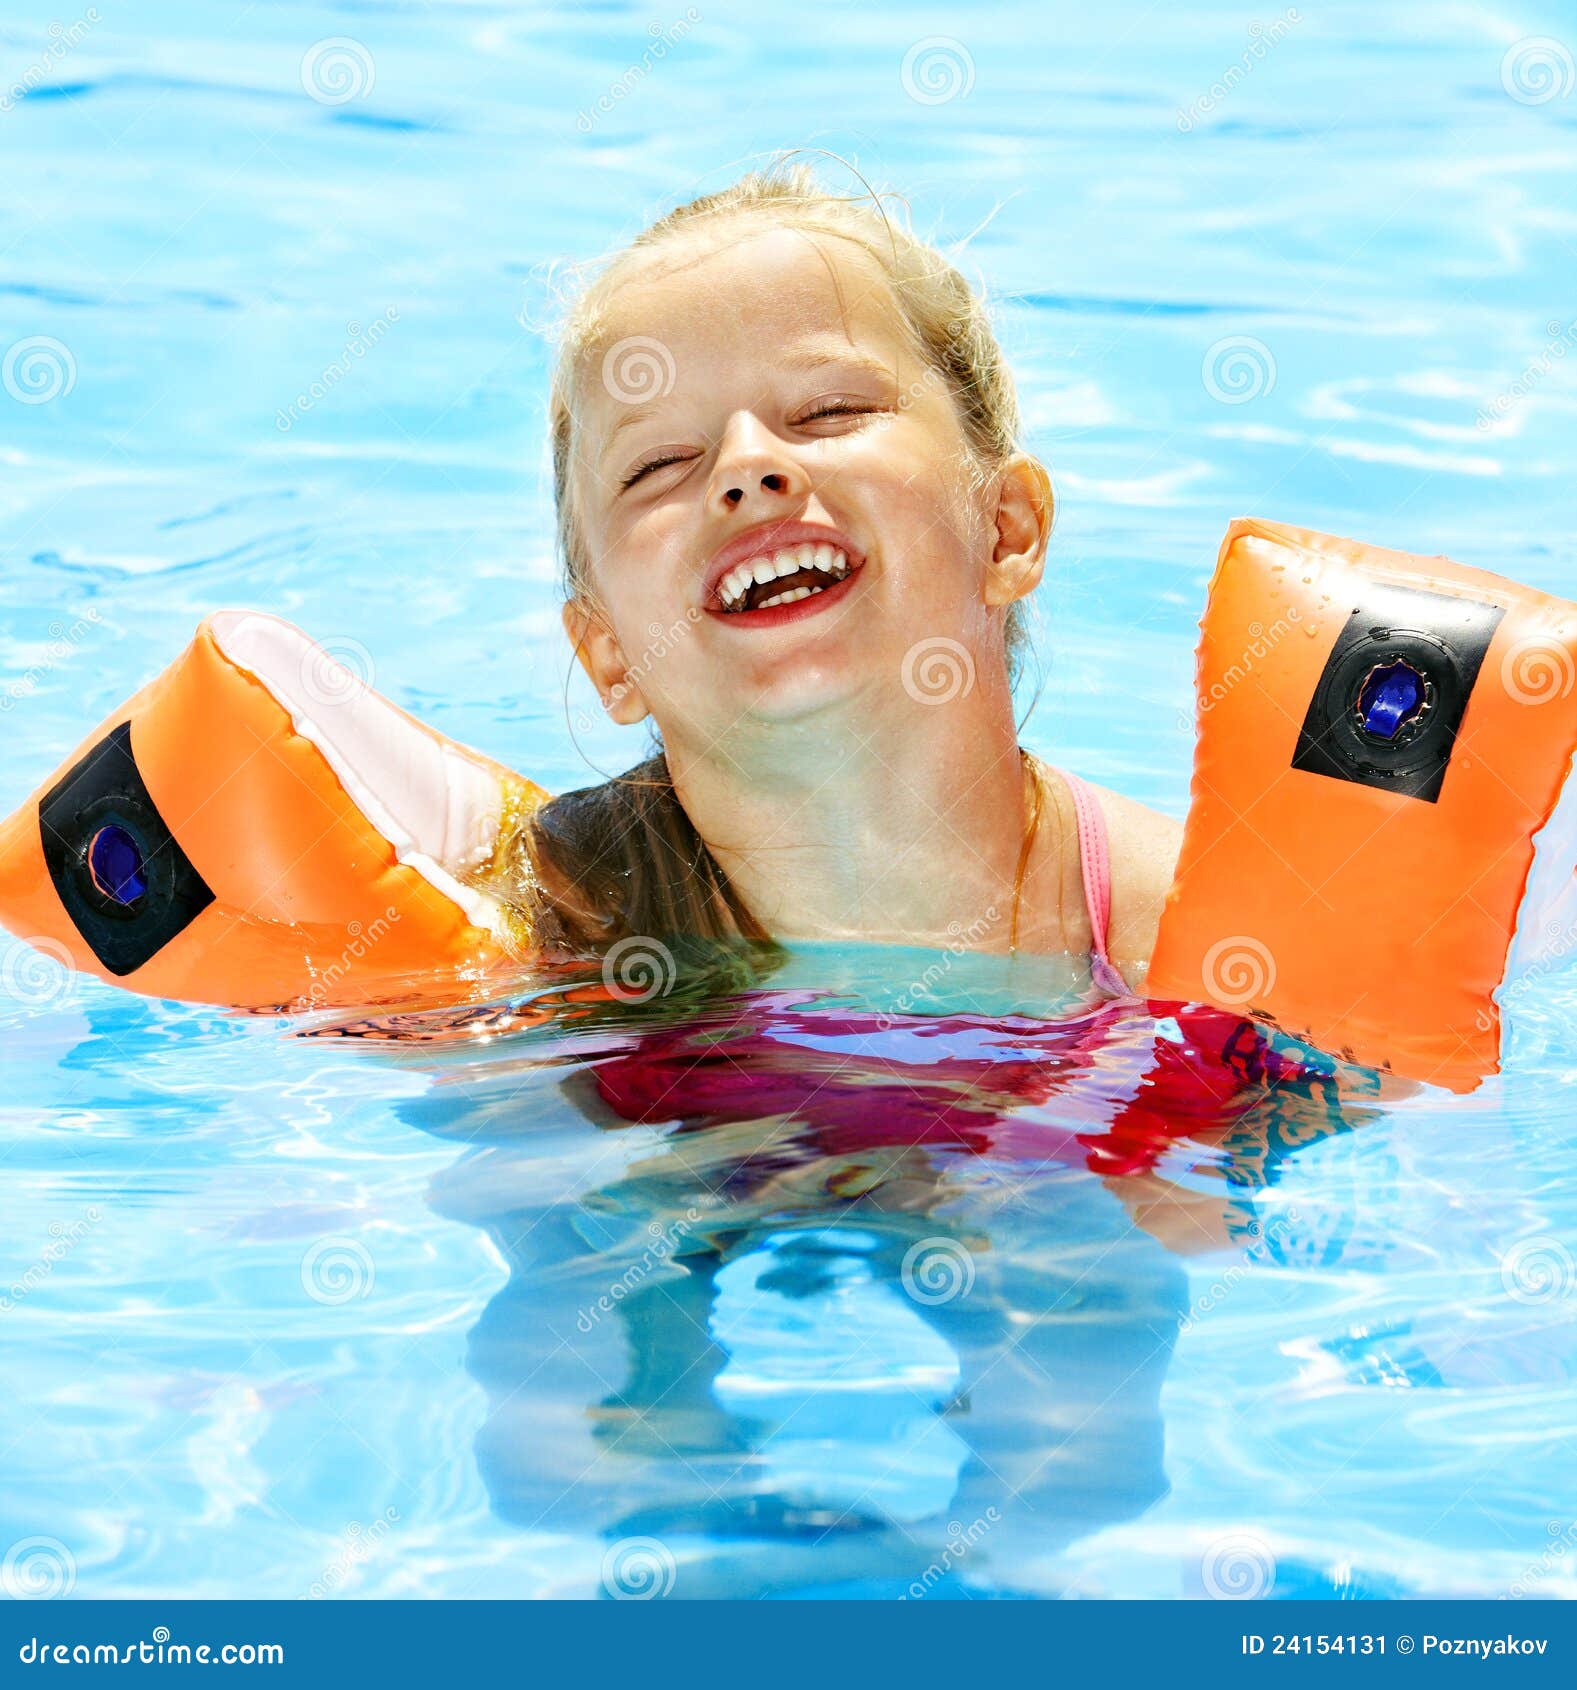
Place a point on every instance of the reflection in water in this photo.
(853, 1300)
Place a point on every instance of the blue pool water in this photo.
(776, 1299)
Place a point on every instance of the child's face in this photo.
(766, 379)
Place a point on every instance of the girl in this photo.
(798, 533)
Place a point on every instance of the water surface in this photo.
(795, 1295)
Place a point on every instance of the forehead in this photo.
(726, 299)
(733, 274)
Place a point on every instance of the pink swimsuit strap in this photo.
(1096, 863)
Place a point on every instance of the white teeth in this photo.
(739, 580)
(735, 582)
(789, 598)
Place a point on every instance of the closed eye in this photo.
(829, 408)
(646, 468)
(841, 408)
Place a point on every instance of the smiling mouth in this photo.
(783, 576)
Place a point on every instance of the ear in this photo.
(1025, 507)
(600, 655)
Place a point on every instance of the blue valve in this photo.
(1391, 695)
(115, 862)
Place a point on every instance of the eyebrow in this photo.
(814, 356)
(808, 356)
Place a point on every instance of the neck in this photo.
(912, 825)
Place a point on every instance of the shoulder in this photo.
(1144, 845)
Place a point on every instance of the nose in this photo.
(755, 468)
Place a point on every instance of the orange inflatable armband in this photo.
(1383, 741)
(257, 827)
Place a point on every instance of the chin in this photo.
(793, 700)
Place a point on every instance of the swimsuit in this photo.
(1096, 865)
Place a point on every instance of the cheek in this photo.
(920, 471)
(638, 563)
(929, 516)
(649, 598)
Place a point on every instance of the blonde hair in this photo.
(623, 858)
